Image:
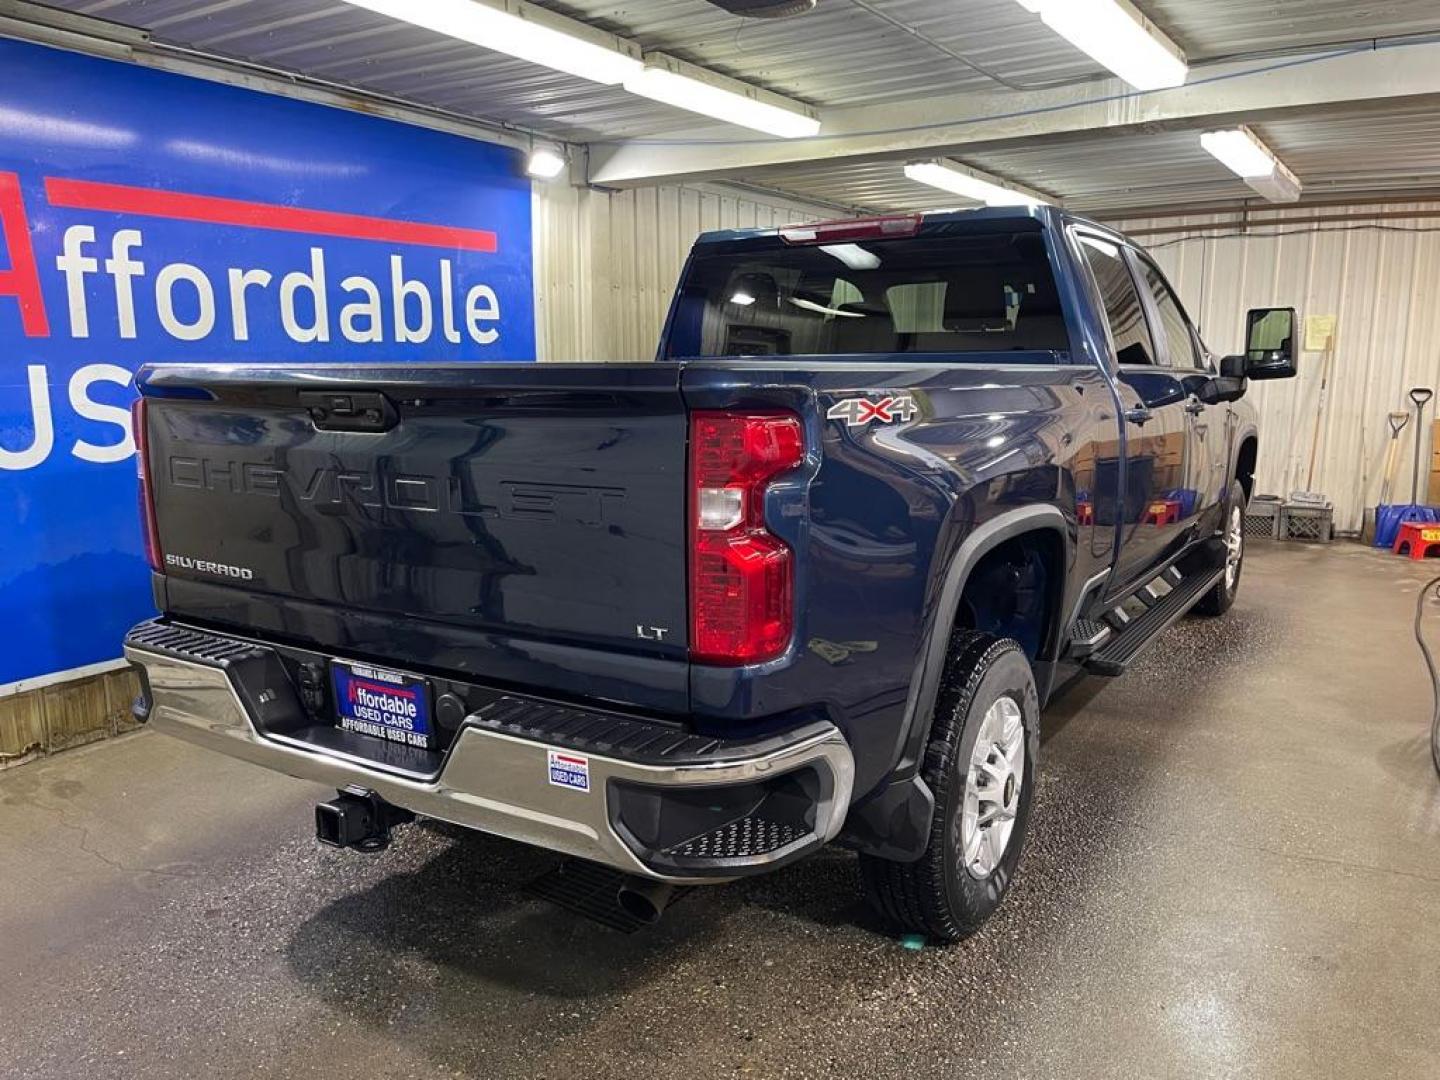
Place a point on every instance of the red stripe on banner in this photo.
(151, 202)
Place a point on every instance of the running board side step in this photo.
(1117, 653)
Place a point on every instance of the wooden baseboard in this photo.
(49, 719)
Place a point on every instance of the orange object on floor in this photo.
(1417, 539)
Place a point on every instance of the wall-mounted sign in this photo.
(149, 217)
(1319, 332)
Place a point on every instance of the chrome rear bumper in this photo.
(498, 781)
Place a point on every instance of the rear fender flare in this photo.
(891, 821)
(925, 683)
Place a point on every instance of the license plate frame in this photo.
(381, 703)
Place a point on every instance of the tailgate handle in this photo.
(349, 410)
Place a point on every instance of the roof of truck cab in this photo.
(1044, 213)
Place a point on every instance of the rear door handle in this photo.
(1140, 415)
(1195, 406)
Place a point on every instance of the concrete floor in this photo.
(1234, 872)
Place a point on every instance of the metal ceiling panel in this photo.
(1379, 150)
(1212, 29)
(844, 52)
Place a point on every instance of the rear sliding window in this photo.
(991, 292)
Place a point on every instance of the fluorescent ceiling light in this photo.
(853, 255)
(524, 31)
(742, 299)
(1240, 152)
(971, 184)
(532, 33)
(686, 86)
(1116, 35)
(1250, 159)
(1281, 186)
(545, 163)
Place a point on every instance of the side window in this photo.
(1173, 323)
(1123, 310)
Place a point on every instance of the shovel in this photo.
(1419, 395)
(1397, 420)
(1379, 522)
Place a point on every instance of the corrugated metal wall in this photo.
(606, 263)
(1380, 277)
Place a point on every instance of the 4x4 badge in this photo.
(858, 410)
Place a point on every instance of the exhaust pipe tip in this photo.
(644, 900)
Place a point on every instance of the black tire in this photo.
(939, 895)
(1218, 600)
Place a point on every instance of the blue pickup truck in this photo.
(807, 577)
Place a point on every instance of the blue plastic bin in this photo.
(1388, 519)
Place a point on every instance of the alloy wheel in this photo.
(992, 788)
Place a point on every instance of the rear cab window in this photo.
(1129, 333)
(951, 291)
(1181, 340)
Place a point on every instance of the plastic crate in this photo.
(1299, 521)
(1262, 518)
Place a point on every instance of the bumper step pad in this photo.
(740, 839)
(645, 742)
(188, 644)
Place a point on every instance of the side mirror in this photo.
(1223, 388)
(1270, 343)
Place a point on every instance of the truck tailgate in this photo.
(525, 503)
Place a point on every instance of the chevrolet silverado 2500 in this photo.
(807, 577)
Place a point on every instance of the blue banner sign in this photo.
(149, 217)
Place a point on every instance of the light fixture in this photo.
(543, 37)
(741, 298)
(524, 31)
(972, 184)
(1250, 159)
(1115, 34)
(546, 163)
(1240, 152)
(674, 82)
(853, 255)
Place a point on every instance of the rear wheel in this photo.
(1218, 600)
(980, 765)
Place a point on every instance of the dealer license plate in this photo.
(385, 704)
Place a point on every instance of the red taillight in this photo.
(142, 471)
(850, 229)
(741, 574)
